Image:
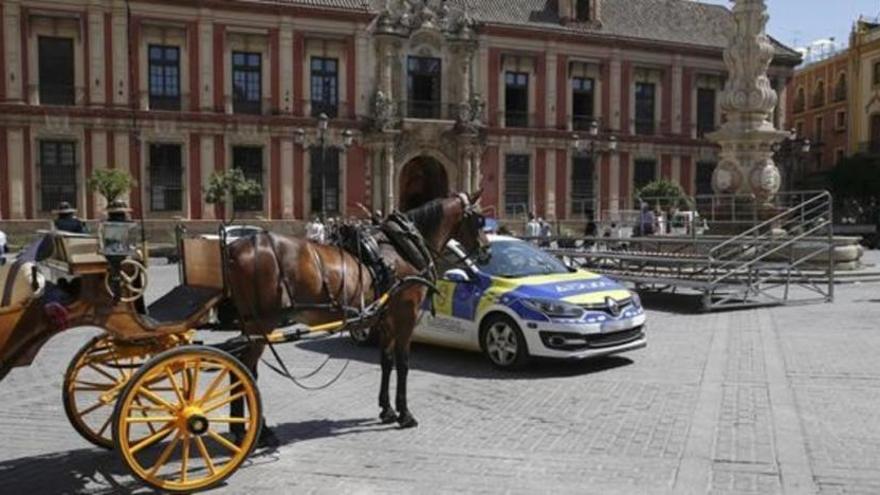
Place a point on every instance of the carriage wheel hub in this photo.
(195, 420)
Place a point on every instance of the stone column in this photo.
(120, 81)
(208, 162)
(15, 152)
(288, 195)
(12, 47)
(466, 185)
(615, 119)
(206, 68)
(286, 71)
(390, 178)
(476, 169)
(96, 61)
(677, 76)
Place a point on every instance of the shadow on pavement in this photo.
(464, 364)
(682, 304)
(288, 433)
(90, 471)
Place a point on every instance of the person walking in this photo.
(533, 228)
(66, 220)
(315, 230)
(545, 232)
(647, 219)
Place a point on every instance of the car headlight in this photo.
(554, 309)
(637, 301)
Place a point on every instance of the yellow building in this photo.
(864, 104)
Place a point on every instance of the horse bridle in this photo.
(472, 213)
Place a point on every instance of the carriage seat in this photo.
(20, 288)
(182, 303)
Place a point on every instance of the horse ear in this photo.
(475, 196)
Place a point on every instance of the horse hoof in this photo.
(407, 420)
(388, 416)
(268, 440)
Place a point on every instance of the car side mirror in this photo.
(456, 275)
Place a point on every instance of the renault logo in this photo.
(613, 306)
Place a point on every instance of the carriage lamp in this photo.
(119, 239)
(805, 147)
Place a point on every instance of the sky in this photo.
(797, 23)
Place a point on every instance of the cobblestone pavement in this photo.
(780, 400)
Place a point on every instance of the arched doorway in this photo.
(421, 180)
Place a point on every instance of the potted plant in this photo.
(111, 183)
(225, 188)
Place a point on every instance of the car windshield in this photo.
(514, 259)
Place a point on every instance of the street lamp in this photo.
(791, 153)
(593, 145)
(322, 141)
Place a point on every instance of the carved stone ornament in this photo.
(748, 100)
(470, 114)
(726, 178)
(384, 114)
(403, 17)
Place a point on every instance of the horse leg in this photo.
(401, 358)
(386, 358)
(251, 359)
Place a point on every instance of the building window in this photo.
(56, 71)
(819, 95)
(839, 155)
(516, 99)
(800, 100)
(324, 181)
(247, 84)
(582, 186)
(166, 178)
(840, 120)
(818, 137)
(645, 173)
(704, 178)
(57, 173)
(164, 77)
(840, 88)
(645, 108)
(249, 159)
(424, 86)
(582, 10)
(582, 102)
(876, 73)
(705, 111)
(799, 128)
(325, 87)
(516, 185)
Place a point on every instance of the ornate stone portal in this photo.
(453, 137)
(746, 160)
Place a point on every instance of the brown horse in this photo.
(271, 274)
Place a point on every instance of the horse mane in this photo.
(428, 216)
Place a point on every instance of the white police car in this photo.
(525, 303)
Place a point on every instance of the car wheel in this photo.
(362, 336)
(503, 343)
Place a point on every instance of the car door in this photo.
(455, 304)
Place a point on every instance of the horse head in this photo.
(470, 232)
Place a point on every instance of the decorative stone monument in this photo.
(747, 138)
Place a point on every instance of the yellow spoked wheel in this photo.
(96, 375)
(188, 419)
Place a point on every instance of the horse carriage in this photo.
(181, 414)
